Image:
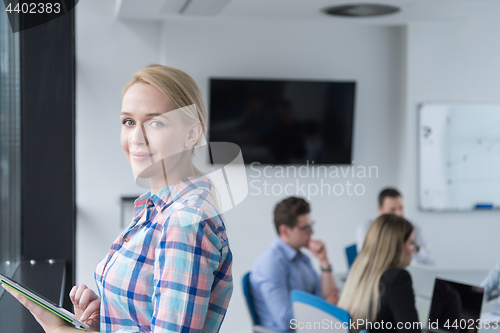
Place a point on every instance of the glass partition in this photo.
(10, 157)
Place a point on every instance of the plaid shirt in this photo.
(170, 270)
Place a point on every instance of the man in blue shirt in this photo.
(283, 267)
(390, 201)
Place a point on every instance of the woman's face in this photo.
(153, 135)
(409, 248)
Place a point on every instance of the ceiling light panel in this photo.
(148, 9)
(173, 6)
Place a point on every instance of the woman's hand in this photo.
(50, 322)
(87, 306)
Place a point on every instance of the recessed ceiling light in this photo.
(361, 10)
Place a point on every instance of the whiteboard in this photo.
(459, 157)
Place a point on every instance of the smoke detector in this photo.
(361, 10)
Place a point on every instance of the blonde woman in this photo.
(170, 270)
(379, 290)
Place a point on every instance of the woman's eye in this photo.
(156, 123)
(128, 122)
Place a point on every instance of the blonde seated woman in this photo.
(378, 289)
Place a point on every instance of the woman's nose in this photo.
(138, 136)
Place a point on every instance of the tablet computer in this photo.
(42, 301)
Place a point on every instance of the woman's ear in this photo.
(194, 134)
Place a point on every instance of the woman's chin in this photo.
(163, 171)
(149, 171)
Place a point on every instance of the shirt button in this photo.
(126, 239)
(150, 203)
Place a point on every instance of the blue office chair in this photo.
(308, 308)
(351, 253)
(248, 297)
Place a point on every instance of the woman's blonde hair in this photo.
(382, 249)
(182, 91)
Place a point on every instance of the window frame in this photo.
(10, 150)
(48, 208)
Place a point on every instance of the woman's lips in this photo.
(140, 156)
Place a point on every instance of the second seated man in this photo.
(390, 201)
(283, 267)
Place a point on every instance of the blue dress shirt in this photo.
(278, 271)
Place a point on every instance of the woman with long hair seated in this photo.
(379, 290)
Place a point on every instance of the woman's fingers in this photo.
(80, 297)
(72, 294)
(87, 304)
(87, 296)
(93, 307)
(94, 324)
(79, 293)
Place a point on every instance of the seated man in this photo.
(283, 267)
(390, 201)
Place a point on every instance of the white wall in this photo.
(372, 56)
(451, 63)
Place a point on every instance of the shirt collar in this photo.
(290, 252)
(168, 195)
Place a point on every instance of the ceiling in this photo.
(411, 10)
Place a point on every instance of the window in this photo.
(37, 121)
(10, 217)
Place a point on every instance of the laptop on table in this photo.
(455, 308)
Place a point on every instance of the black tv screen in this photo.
(284, 121)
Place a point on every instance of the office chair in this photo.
(351, 253)
(308, 308)
(248, 297)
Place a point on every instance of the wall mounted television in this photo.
(284, 121)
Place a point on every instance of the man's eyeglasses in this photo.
(307, 228)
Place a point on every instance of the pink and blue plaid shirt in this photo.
(170, 270)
